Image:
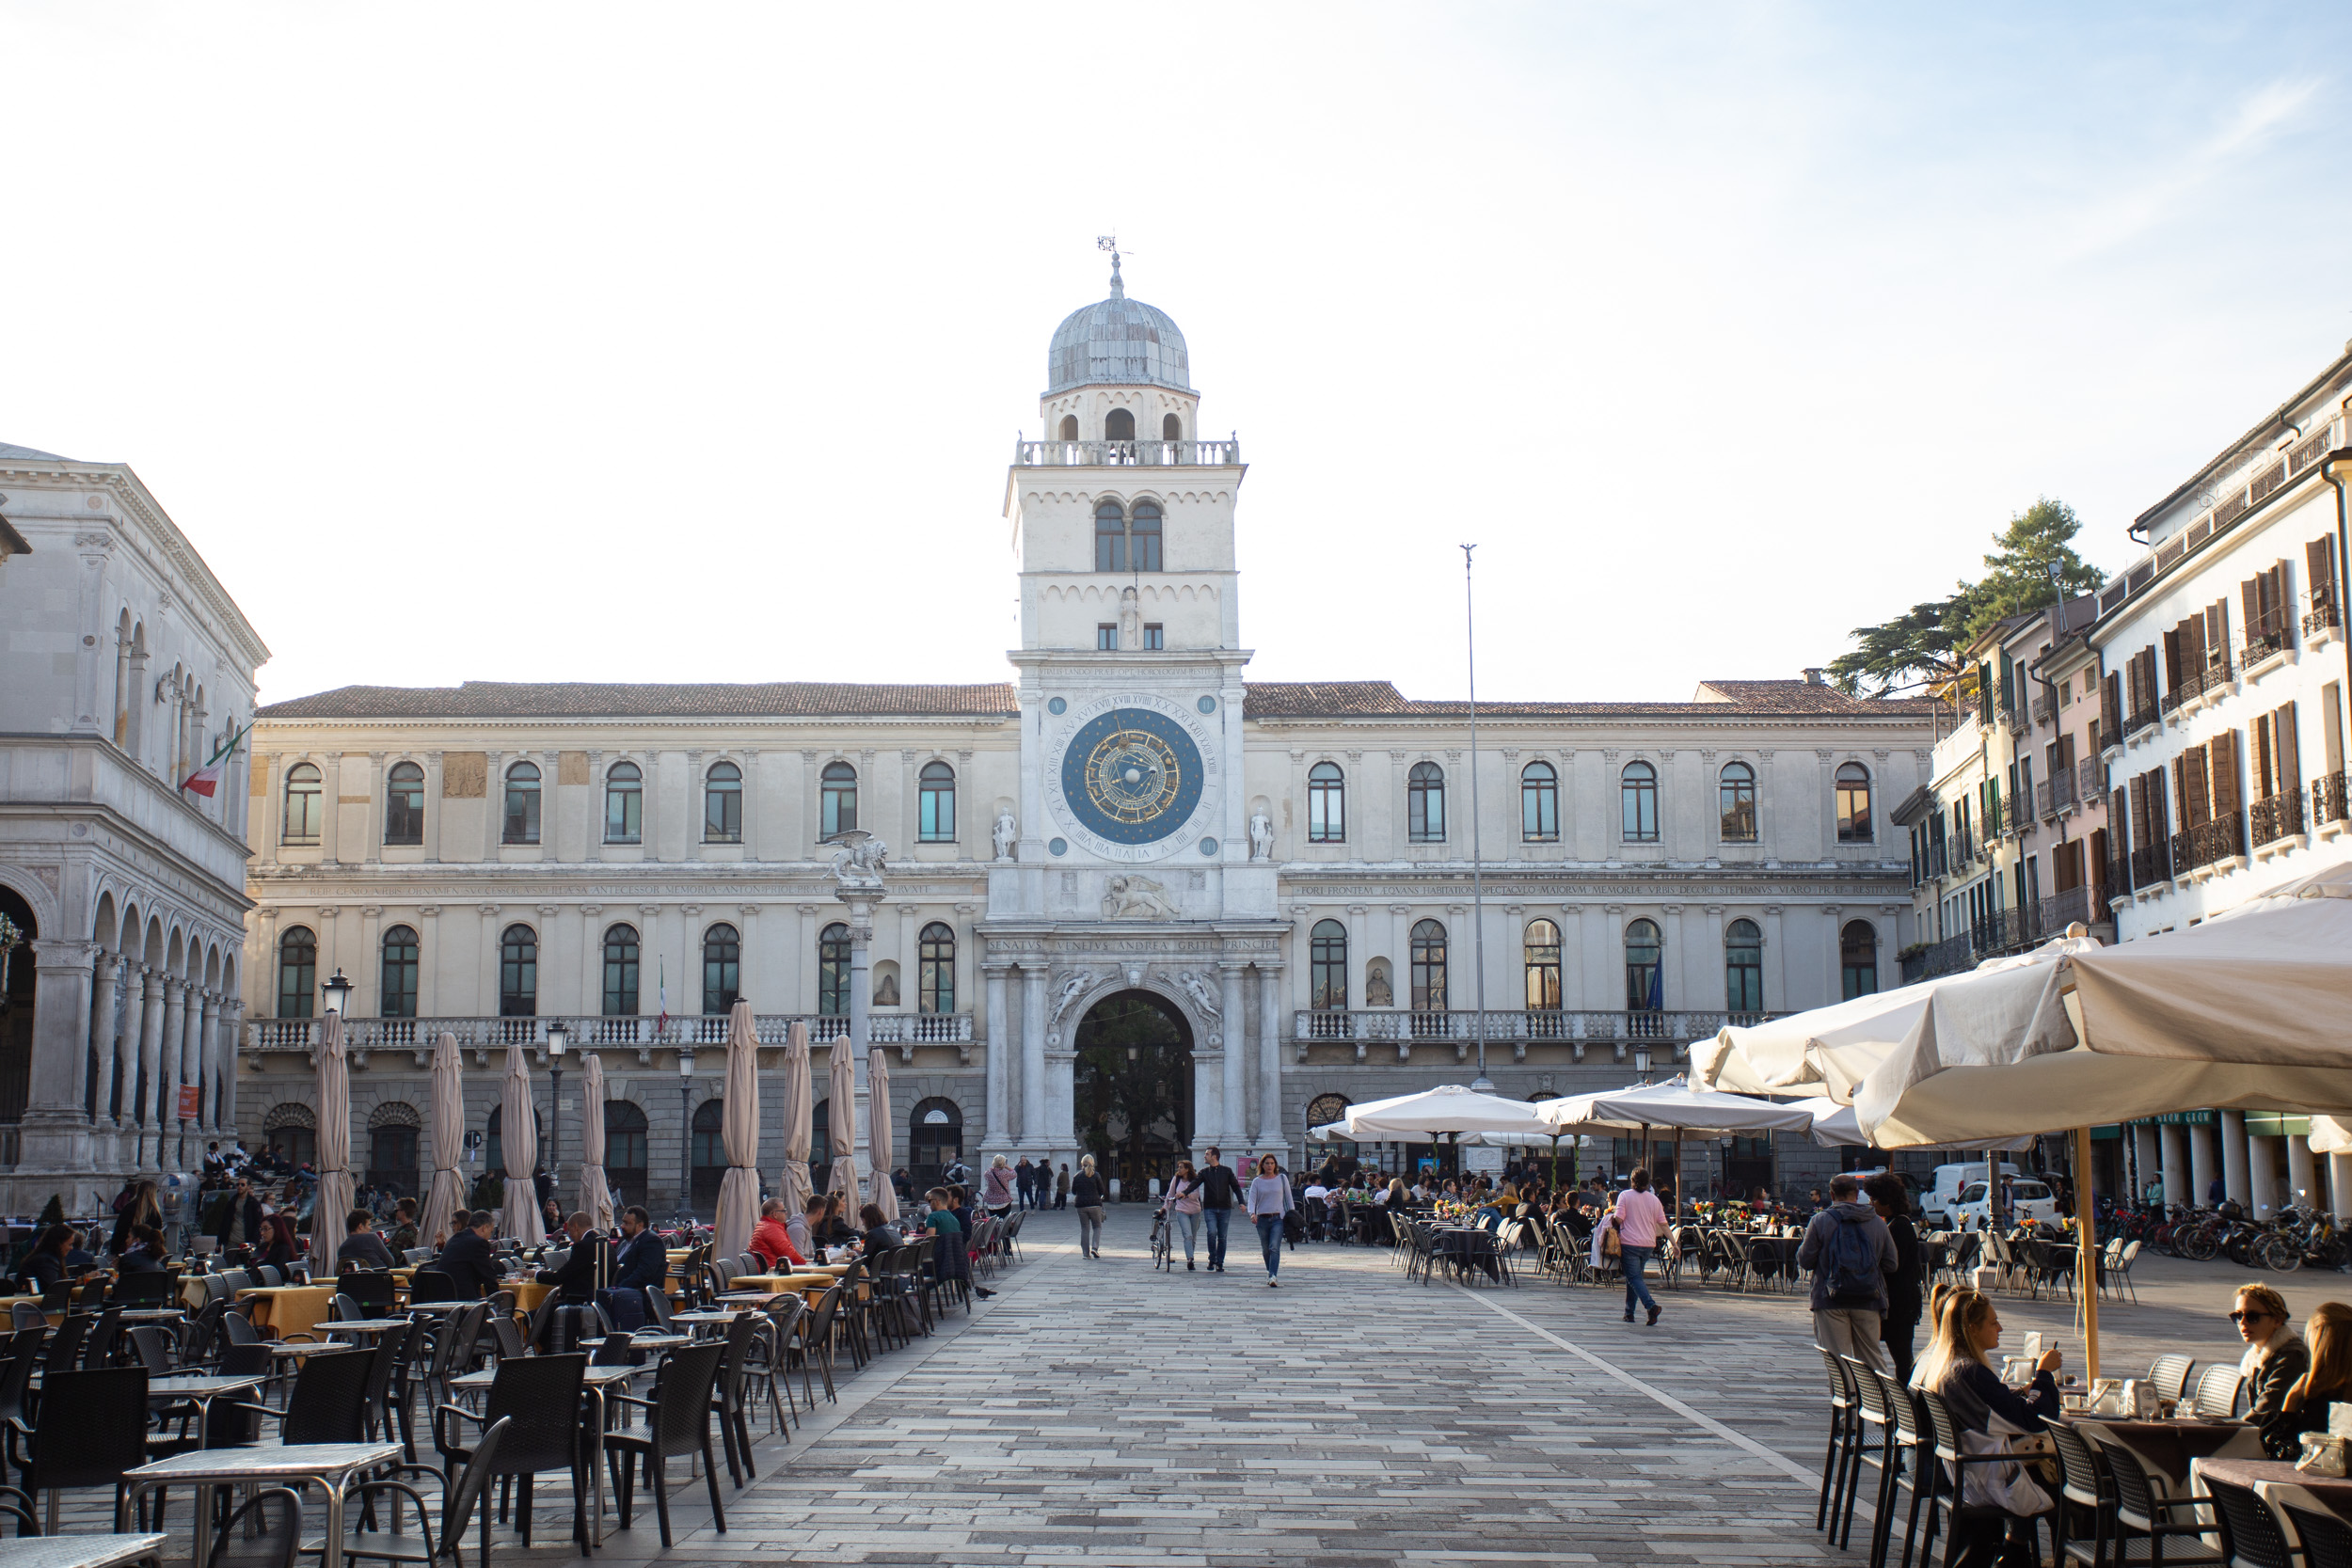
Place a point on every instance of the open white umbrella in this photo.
(880, 1126)
(738, 1189)
(799, 1121)
(1448, 1109)
(334, 1149)
(596, 1191)
(518, 1146)
(449, 1140)
(1673, 1104)
(1836, 1126)
(841, 1123)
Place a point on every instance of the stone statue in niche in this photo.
(1005, 834)
(1377, 992)
(886, 988)
(1203, 995)
(1137, 897)
(1260, 836)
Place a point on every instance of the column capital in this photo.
(62, 957)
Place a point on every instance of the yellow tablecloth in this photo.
(285, 1310)
(529, 1294)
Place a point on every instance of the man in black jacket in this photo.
(584, 1270)
(1219, 1191)
(469, 1258)
(644, 1259)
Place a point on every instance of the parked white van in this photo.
(1942, 1197)
(2028, 1201)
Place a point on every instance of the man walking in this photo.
(1024, 1181)
(1850, 1253)
(1219, 1191)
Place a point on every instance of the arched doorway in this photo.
(1134, 1070)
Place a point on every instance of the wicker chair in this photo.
(677, 1421)
(538, 1397)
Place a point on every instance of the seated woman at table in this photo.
(46, 1264)
(2275, 1360)
(2325, 1380)
(879, 1235)
(276, 1245)
(1955, 1367)
(830, 1229)
(145, 1254)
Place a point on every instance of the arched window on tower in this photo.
(398, 998)
(304, 808)
(403, 804)
(1327, 804)
(1645, 979)
(1070, 427)
(1858, 958)
(723, 967)
(1743, 967)
(1110, 537)
(1543, 967)
(620, 972)
(1424, 804)
(1638, 788)
(722, 804)
(841, 798)
(1120, 425)
(937, 823)
(938, 980)
(1144, 548)
(1171, 428)
(1326, 956)
(1539, 803)
(832, 971)
(298, 972)
(519, 823)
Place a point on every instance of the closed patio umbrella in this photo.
(841, 1122)
(449, 1140)
(518, 1145)
(334, 1143)
(739, 1190)
(596, 1191)
(799, 1121)
(880, 1126)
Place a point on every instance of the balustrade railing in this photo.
(2267, 637)
(2141, 717)
(2041, 710)
(1948, 957)
(2328, 798)
(1126, 455)
(2208, 842)
(2150, 864)
(700, 1031)
(1413, 1026)
(2213, 677)
(2088, 781)
(2321, 617)
(2275, 818)
(2055, 794)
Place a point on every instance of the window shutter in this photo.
(2259, 753)
(2287, 760)
(2222, 778)
(2217, 632)
(2110, 711)
(2276, 618)
(2138, 818)
(2188, 786)
(2249, 594)
(2174, 667)
(2331, 727)
(2319, 567)
(2119, 841)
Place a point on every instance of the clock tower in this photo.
(1127, 869)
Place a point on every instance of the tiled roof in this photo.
(609, 699)
(1786, 696)
(1380, 699)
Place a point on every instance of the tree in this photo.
(2033, 566)
(1919, 646)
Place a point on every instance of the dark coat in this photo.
(470, 1262)
(583, 1272)
(644, 1262)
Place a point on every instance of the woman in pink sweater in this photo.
(1641, 1222)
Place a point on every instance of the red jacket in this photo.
(772, 1242)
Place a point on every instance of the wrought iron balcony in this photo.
(1948, 957)
(2328, 798)
(2208, 842)
(2262, 639)
(2274, 818)
(1126, 455)
(2322, 617)
(701, 1032)
(2087, 780)
(2150, 864)
(2213, 677)
(2041, 710)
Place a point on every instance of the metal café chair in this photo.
(677, 1422)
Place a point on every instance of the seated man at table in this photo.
(404, 1235)
(644, 1259)
(772, 1239)
(361, 1244)
(585, 1267)
(469, 1258)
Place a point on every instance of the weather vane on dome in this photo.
(1110, 242)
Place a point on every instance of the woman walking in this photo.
(996, 1187)
(1085, 1191)
(1269, 1200)
(1641, 1221)
(1184, 1206)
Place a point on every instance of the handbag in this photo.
(1609, 1245)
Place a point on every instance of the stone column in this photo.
(1037, 1128)
(2144, 1157)
(2261, 1177)
(2302, 1173)
(2339, 1181)
(1000, 1123)
(652, 845)
(860, 901)
(1269, 1056)
(102, 1050)
(433, 806)
(55, 1132)
(1776, 997)
(208, 1066)
(1227, 1126)
(2174, 1143)
(191, 1061)
(232, 1031)
(2235, 1176)
(372, 837)
(165, 1077)
(2200, 1163)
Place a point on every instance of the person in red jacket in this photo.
(771, 1239)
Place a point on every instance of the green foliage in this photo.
(52, 1212)
(1132, 1067)
(1921, 645)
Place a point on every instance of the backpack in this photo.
(1850, 1260)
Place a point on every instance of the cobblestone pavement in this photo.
(1103, 1413)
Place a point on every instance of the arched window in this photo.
(1539, 803)
(1144, 528)
(1327, 804)
(1171, 428)
(934, 1140)
(1743, 967)
(305, 810)
(937, 824)
(1543, 966)
(292, 1130)
(620, 972)
(298, 972)
(1424, 804)
(1853, 805)
(520, 824)
(723, 967)
(399, 997)
(1638, 793)
(709, 1153)
(519, 973)
(838, 787)
(722, 804)
(494, 1145)
(1858, 958)
(624, 804)
(1070, 427)
(1327, 951)
(1120, 425)
(938, 982)
(1429, 967)
(1645, 981)
(1324, 1109)
(393, 1131)
(832, 971)
(1735, 793)
(403, 804)
(820, 1140)
(625, 1151)
(1110, 537)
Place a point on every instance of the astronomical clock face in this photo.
(1133, 782)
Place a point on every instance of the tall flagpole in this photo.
(1478, 881)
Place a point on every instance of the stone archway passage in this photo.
(1133, 1088)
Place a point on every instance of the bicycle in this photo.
(1163, 1239)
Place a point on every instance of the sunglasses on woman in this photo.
(2248, 1317)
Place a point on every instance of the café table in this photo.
(331, 1466)
(200, 1389)
(2278, 1482)
(2170, 1449)
(708, 1317)
(283, 1311)
(416, 1306)
(153, 1314)
(594, 1383)
(644, 1341)
(364, 1325)
(78, 1551)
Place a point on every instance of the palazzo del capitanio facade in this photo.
(1253, 900)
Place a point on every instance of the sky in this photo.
(586, 342)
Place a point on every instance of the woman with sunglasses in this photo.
(2275, 1358)
(2325, 1383)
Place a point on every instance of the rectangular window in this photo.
(1105, 636)
(1154, 635)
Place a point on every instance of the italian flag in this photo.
(207, 778)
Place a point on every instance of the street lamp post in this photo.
(686, 1127)
(558, 1039)
(1482, 1084)
(338, 992)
